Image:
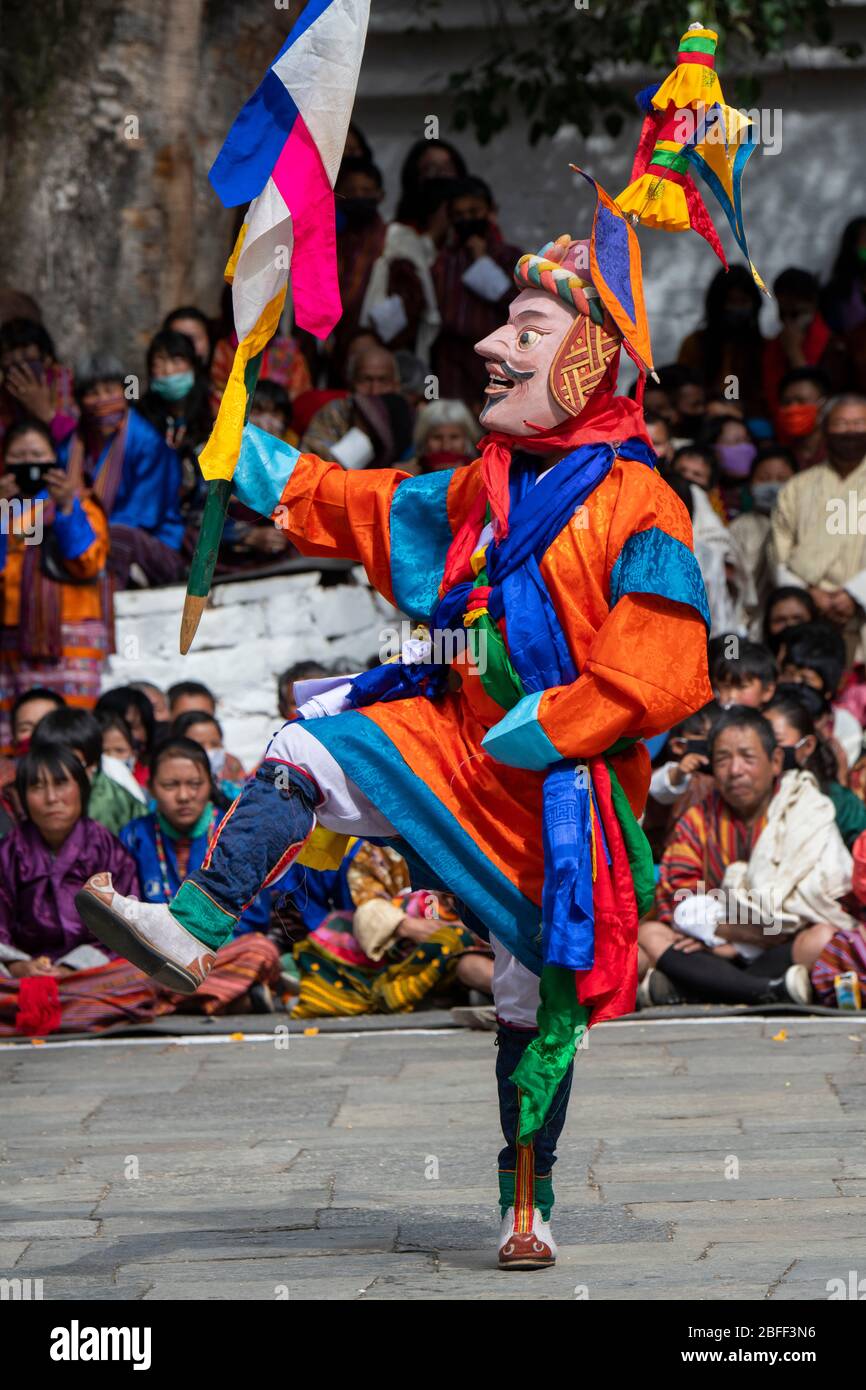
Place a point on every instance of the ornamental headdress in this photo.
(687, 129)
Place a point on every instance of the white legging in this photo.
(345, 808)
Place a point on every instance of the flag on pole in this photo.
(282, 155)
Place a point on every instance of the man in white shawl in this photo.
(751, 883)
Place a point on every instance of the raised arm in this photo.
(395, 525)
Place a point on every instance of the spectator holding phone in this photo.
(54, 606)
(682, 777)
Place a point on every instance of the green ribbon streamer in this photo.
(637, 846)
(562, 1023)
(499, 678)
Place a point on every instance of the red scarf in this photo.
(606, 419)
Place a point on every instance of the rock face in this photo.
(251, 632)
(107, 216)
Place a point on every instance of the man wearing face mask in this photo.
(472, 275)
(135, 476)
(802, 396)
(819, 524)
(361, 242)
(750, 531)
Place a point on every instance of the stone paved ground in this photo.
(349, 1167)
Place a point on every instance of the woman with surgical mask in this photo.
(750, 531)
(804, 750)
(176, 402)
(735, 450)
(205, 729)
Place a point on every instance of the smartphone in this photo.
(30, 477)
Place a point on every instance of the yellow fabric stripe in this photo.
(325, 849)
(219, 457)
(233, 259)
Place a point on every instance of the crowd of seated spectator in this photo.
(762, 438)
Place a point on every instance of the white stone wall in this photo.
(251, 631)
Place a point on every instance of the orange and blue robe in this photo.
(461, 776)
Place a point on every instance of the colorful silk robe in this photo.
(626, 590)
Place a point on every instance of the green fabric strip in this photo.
(698, 46)
(544, 1198)
(637, 846)
(219, 493)
(499, 678)
(507, 1179)
(201, 917)
(669, 160)
(562, 1023)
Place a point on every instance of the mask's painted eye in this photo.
(527, 338)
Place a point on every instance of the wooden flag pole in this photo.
(219, 491)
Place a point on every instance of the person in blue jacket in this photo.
(172, 841)
(133, 473)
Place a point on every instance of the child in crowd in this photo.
(803, 747)
(813, 654)
(271, 411)
(137, 710)
(682, 776)
(117, 740)
(743, 673)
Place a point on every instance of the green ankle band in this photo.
(506, 1190)
(544, 1195)
(544, 1198)
(201, 916)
